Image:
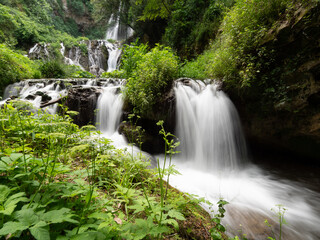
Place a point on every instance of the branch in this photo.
(51, 103)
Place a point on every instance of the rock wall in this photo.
(291, 118)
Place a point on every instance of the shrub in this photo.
(196, 69)
(237, 52)
(53, 69)
(132, 54)
(82, 74)
(113, 74)
(236, 55)
(15, 67)
(151, 78)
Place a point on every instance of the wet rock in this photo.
(83, 100)
(44, 97)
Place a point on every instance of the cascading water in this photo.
(116, 32)
(101, 55)
(213, 164)
(109, 109)
(109, 112)
(209, 129)
(36, 92)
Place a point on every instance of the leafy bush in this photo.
(53, 69)
(15, 67)
(113, 74)
(196, 69)
(236, 52)
(77, 6)
(82, 74)
(17, 28)
(132, 54)
(236, 55)
(151, 78)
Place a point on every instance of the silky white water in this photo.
(116, 32)
(109, 109)
(109, 112)
(32, 92)
(214, 164)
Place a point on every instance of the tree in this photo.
(154, 9)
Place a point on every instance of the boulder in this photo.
(84, 101)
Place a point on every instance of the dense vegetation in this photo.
(22, 25)
(59, 182)
(61, 16)
(15, 67)
(151, 78)
(236, 55)
(62, 182)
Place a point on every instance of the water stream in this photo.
(116, 32)
(36, 92)
(214, 164)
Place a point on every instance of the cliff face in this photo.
(74, 17)
(290, 118)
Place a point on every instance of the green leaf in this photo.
(16, 156)
(4, 192)
(27, 217)
(138, 208)
(6, 160)
(172, 222)
(8, 211)
(21, 175)
(40, 231)
(59, 216)
(220, 227)
(12, 227)
(216, 220)
(89, 235)
(175, 214)
(216, 236)
(101, 215)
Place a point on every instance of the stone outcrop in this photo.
(84, 101)
(90, 55)
(163, 110)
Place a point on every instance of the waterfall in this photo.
(39, 51)
(36, 93)
(116, 32)
(102, 55)
(114, 54)
(213, 164)
(109, 112)
(209, 128)
(109, 109)
(73, 57)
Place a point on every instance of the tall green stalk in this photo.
(23, 143)
(91, 187)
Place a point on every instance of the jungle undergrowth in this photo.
(59, 181)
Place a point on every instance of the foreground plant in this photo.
(62, 182)
(279, 212)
